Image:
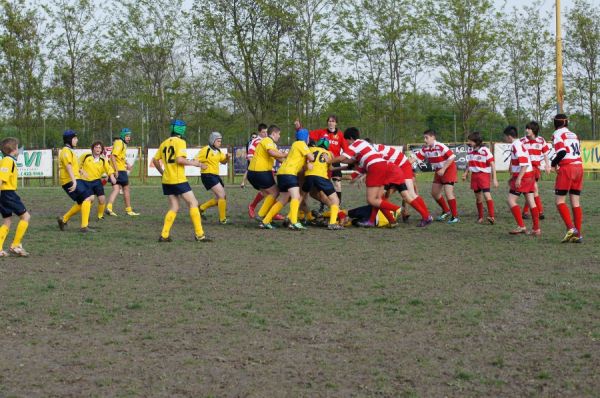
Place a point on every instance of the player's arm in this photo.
(195, 163)
(494, 179)
(466, 174)
(277, 154)
(447, 164)
(69, 168)
(157, 165)
(343, 159)
(113, 162)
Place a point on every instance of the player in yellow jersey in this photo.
(74, 186)
(10, 202)
(212, 157)
(92, 167)
(170, 161)
(121, 167)
(316, 178)
(287, 182)
(260, 171)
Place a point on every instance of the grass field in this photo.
(461, 310)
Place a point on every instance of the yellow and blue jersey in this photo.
(295, 160)
(95, 168)
(119, 151)
(262, 161)
(212, 158)
(168, 152)
(8, 173)
(320, 166)
(67, 156)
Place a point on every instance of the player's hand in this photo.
(73, 187)
(202, 166)
(129, 167)
(441, 172)
(495, 183)
(310, 166)
(464, 177)
(113, 180)
(518, 182)
(548, 169)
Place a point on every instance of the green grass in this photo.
(461, 310)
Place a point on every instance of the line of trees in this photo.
(391, 67)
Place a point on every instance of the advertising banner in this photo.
(35, 163)
(590, 154)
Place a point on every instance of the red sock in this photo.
(479, 209)
(535, 215)
(257, 199)
(452, 203)
(419, 205)
(516, 211)
(578, 216)
(385, 205)
(526, 209)
(490, 206)
(390, 217)
(563, 210)
(374, 211)
(538, 203)
(442, 202)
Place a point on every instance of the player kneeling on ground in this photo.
(172, 153)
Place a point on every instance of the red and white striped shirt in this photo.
(537, 148)
(364, 153)
(436, 154)
(252, 147)
(565, 140)
(480, 160)
(519, 157)
(391, 154)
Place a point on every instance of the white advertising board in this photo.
(35, 163)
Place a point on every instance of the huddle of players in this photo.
(386, 170)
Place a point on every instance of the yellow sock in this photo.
(301, 214)
(101, 210)
(334, 209)
(21, 229)
(109, 207)
(3, 235)
(208, 204)
(86, 206)
(309, 216)
(266, 206)
(72, 211)
(169, 220)
(128, 209)
(196, 222)
(294, 207)
(272, 212)
(222, 203)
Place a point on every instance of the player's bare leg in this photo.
(111, 199)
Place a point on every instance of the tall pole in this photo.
(560, 93)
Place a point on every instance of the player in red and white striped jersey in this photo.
(481, 168)
(538, 150)
(262, 133)
(442, 161)
(379, 171)
(569, 179)
(409, 195)
(521, 182)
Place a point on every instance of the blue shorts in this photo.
(81, 193)
(96, 187)
(11, 203)
(210, 180)
(286, 181)
(176, 189)
(261, 179)
(122, 178)
(319, 183)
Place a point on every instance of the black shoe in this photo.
(85, 230)
(542, 216)
(61, 223)
(203, 239)
(167, 239)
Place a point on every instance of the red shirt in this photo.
(565, 140)
(519, 157)
(337, 142)
(437, 154)
(480, 160)
(252, 147)
(391, 154)
(537, 148)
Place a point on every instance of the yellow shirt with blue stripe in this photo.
(95, 168)
(168, 152)
(262, 161)
(67, 156)
(212, 158)
(8, 173)
(295, 160)
(119, 151)
(320, 166)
